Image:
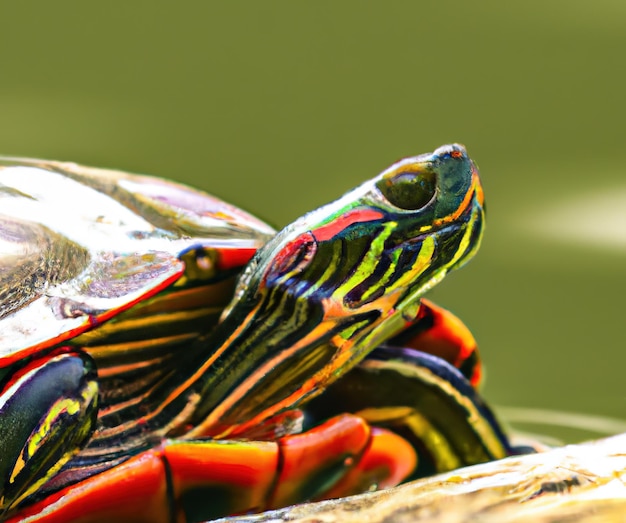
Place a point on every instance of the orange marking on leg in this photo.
(388, 460)
(312, 462)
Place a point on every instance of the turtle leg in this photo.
(48, 410)
(196, 480)
(423, 399)
(437, 331)
(316, 463)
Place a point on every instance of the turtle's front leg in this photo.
(48, 411)
(195, 480)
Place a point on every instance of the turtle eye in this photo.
(408, 190)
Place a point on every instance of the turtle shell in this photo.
(80, 245)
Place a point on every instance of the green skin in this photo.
(312, 303)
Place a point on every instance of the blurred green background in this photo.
(280, 106)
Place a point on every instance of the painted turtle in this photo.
(165, 356)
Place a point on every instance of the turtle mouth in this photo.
(470, 218)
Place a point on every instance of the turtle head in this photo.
(382, 245)
(341, 280)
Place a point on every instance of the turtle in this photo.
(167, 356)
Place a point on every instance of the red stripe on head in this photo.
(326, 232)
